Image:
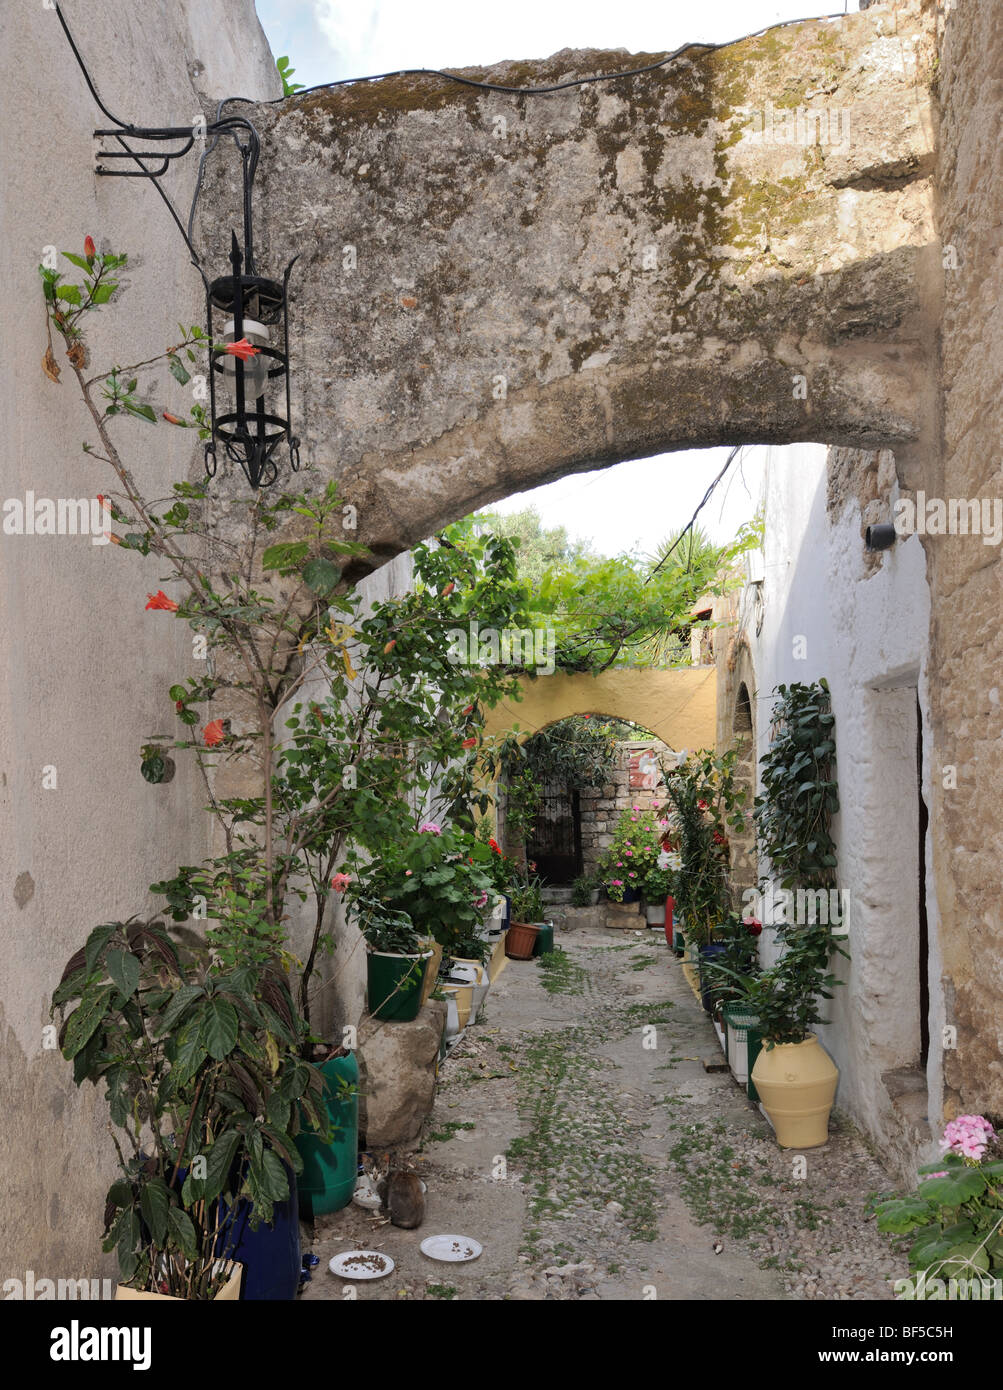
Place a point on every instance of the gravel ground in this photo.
(578, 1136)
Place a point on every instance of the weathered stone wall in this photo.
(86, 670)
(602, 807)
(496, 290)
(966, 575)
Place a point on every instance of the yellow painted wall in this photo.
(679, 707)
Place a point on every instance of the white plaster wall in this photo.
(86, 670)
(867, 633)
(339, 993)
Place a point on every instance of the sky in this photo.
(636, 504)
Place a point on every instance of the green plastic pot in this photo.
(394, 985)
(329, 1170)
(544, 942)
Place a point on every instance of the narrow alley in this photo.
(578, 1136)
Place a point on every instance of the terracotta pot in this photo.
(797, 1085)
(520, 940)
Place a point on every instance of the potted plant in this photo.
(205, 1088)
(396, 958)
(953, 1218)
(584, 893)
(527, 909)
(704, 802)
(633, 852)
(795, 1077)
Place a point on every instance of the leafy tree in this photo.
(540, 548)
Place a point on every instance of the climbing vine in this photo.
(800, 793)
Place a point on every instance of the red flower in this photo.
(159, 600)
(753, 925)
(448, 589)
(390, 645)
(213, 733)
(702, 805)
(90, 250)
(171, 419)
(494, 846)
(179, 705)
(469, 710)
(242, 349)
(469, 743)
(340, 882)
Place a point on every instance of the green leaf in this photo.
(153, 769)
(70, 293)
(96, 943)
(154, 1202)
(902, 1214)
(273, 1176)
(219, 1028)
(321, 576)
(177, 692)
(285, 557)
(85, 1019)
(145, 412)
(103, 293)
(178, 371)
(79, 261)
(179, 1223)
(219, 1161)
(183, 999)
(123, 967)
(953, 1190)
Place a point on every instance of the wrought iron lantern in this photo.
(249, 404)
(249, 370)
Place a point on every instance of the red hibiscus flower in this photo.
(171, 419)
(390, 646)
(213, 733)
(90, 250)
(494, 846)
(340, 882)
(753, 925)
(469, 743)
(159, 600)
(242, 349)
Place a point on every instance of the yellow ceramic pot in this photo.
(432, 969)
(797, 1085)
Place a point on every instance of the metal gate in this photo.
(555, 845)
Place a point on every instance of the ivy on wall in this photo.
(800, 792)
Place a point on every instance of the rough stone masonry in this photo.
(496, 290)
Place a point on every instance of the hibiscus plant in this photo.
(346, 714)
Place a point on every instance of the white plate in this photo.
(452, 1249)
(348, 1265)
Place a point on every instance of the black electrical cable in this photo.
(534, 91)
(692, 521)
(220, 125)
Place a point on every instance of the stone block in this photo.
(397, 1063)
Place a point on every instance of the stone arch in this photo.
(677, 706)
(612, 272)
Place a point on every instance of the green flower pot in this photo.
(329, 1170)
(544, 942)
(394, 985)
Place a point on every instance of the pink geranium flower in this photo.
(340, 882)
(429, 827)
